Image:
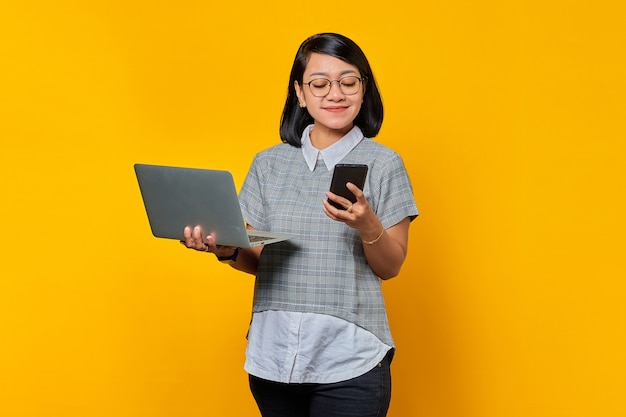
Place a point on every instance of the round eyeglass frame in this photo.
(330, 85)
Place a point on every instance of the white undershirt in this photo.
(309, 348)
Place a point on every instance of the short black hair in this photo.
(294, 119)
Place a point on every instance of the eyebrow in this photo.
(326, 74)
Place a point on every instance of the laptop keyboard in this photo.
(256, 238)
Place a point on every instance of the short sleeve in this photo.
(251, 197)
(394, 191)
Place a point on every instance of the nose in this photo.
(335, 89)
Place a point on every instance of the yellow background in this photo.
(510, 116)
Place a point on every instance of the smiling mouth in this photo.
(335, 109)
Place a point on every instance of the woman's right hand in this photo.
(194, 240)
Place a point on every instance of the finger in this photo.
(193, 238)
(188, 238)
(210, 244)
(350, 186)
(345, 203)
(327, 208)
(334, 213)
(197, 236)
(358, 193)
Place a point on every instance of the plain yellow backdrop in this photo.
(510, 117)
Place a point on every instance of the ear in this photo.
(299, 94)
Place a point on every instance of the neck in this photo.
(322, 138)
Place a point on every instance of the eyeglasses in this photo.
(350, 85)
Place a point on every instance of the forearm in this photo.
(247, 260)
(386, 250)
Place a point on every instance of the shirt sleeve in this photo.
(251, 197)
(394, 192)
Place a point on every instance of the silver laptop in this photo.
(176, 197)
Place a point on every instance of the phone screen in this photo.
(344, 173)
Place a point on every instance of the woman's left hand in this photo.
(359, 215)
(385, 249)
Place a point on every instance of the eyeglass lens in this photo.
(321, 87)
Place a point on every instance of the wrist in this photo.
(371, 229)
(372, 238)
(376, 239)
(229, 259)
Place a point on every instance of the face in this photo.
(334, 113)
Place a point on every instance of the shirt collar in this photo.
(332, 154)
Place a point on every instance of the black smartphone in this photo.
(344, 173)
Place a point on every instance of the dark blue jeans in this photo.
(365, 396)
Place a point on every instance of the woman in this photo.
(319, 342)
